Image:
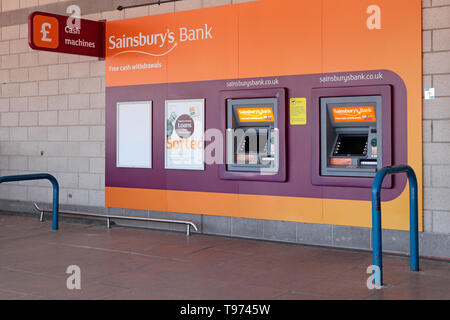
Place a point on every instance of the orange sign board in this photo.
(354, 114)
(255, 114)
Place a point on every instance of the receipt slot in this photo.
(351, 136)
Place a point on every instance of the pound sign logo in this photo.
(45, 31)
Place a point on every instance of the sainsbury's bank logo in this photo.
(149, 43)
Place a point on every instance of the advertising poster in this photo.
(134, 134)
(184, 134)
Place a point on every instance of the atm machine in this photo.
(352, 135)
(351, 142)
(355, 139)
(252, 145)
(252, 137)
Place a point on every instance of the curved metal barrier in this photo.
(413, 217)
(40, 176)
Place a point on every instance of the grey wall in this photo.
(436, 115)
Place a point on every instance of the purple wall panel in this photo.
(298, 140)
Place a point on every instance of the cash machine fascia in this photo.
(349, 153)
(268, 161)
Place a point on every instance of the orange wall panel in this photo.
(275, 38)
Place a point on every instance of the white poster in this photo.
(184, 134)
(134, 134)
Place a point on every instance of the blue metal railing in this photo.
(413, 218)
(40, 176)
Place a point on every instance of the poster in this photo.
(184, 127)
(134, 134)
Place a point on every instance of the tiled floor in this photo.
(128, 263)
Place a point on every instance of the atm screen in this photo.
(355, 145)
(255, 114)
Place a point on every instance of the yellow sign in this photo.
(298, 111)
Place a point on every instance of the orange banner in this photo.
(354, 114)
(255, 114)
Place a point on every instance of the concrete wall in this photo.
(436, 115)
(52, 117)
(52, 120)
(11, 5)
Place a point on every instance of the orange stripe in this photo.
(307, 210)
